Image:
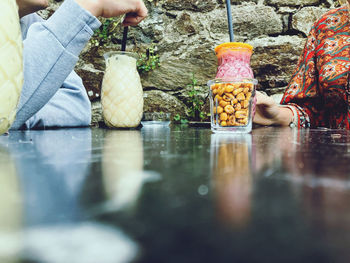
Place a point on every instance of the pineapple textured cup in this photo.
(11, 69)
(122, 94)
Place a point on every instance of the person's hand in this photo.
(135, 10)
(26, 7)
(266, 110)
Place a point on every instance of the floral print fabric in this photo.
(317, 90)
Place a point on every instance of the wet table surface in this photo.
(174, 194)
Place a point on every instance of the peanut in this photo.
(219, 109)
(240, 96)
(243, 120)
(221, 91)
(223, 116)
(229, 88)
(245, 103)
(248, 95)
(236, 91)
(231, 120)
(217, 98)
(228, 97)
(229, 109)
(223, 103)
(238, 106)
(214, 86)
(236, 85)
(240, 114)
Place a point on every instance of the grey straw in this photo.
(125, 37)
(229, 19)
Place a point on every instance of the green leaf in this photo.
(177, 117)
(184, 121)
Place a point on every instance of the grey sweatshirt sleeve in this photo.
(51, 50)
(69, 107)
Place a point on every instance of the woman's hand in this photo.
(268, 112)
(135, 10)
(26, 7)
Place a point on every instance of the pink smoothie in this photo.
(234, 64)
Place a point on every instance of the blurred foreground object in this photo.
(11, 69)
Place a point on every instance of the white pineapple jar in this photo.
(11, 66)
(122, 94)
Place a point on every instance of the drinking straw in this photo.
(125, 36)
(229, 18)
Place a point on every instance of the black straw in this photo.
(125, 37)
(229, 18)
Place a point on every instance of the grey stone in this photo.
(306, 17)
(193, 57)
(159, 101)
(292, 2)
(274, 60)
(248, 20)
(96, 113)
(92, 79)
(193, 5)
(237, 2)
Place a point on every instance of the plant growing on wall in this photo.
(108, 31)
(177, 119)
(196, 101)
(148, 61)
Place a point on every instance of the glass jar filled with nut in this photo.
(231, 104)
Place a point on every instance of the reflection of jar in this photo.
(11, 71)
(232, 177)
(122, 167)
(156, 136)
(234, 60)
(122, 94)
(11, 208)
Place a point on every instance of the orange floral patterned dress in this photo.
(318, 90)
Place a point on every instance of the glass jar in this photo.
(234, 60)
(232, 104)
(11, 65)
(122, 94)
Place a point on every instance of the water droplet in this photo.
(203, 189)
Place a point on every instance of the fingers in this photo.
(26, 7)
(134, 18)
(259, 98)
(260, 118)
(262, 99)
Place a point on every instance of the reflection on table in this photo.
(122, 165)
(174, 194)
(42, 175)
(10, 208)
(315, 166)
(232, 176)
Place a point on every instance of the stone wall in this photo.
(185, 33)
